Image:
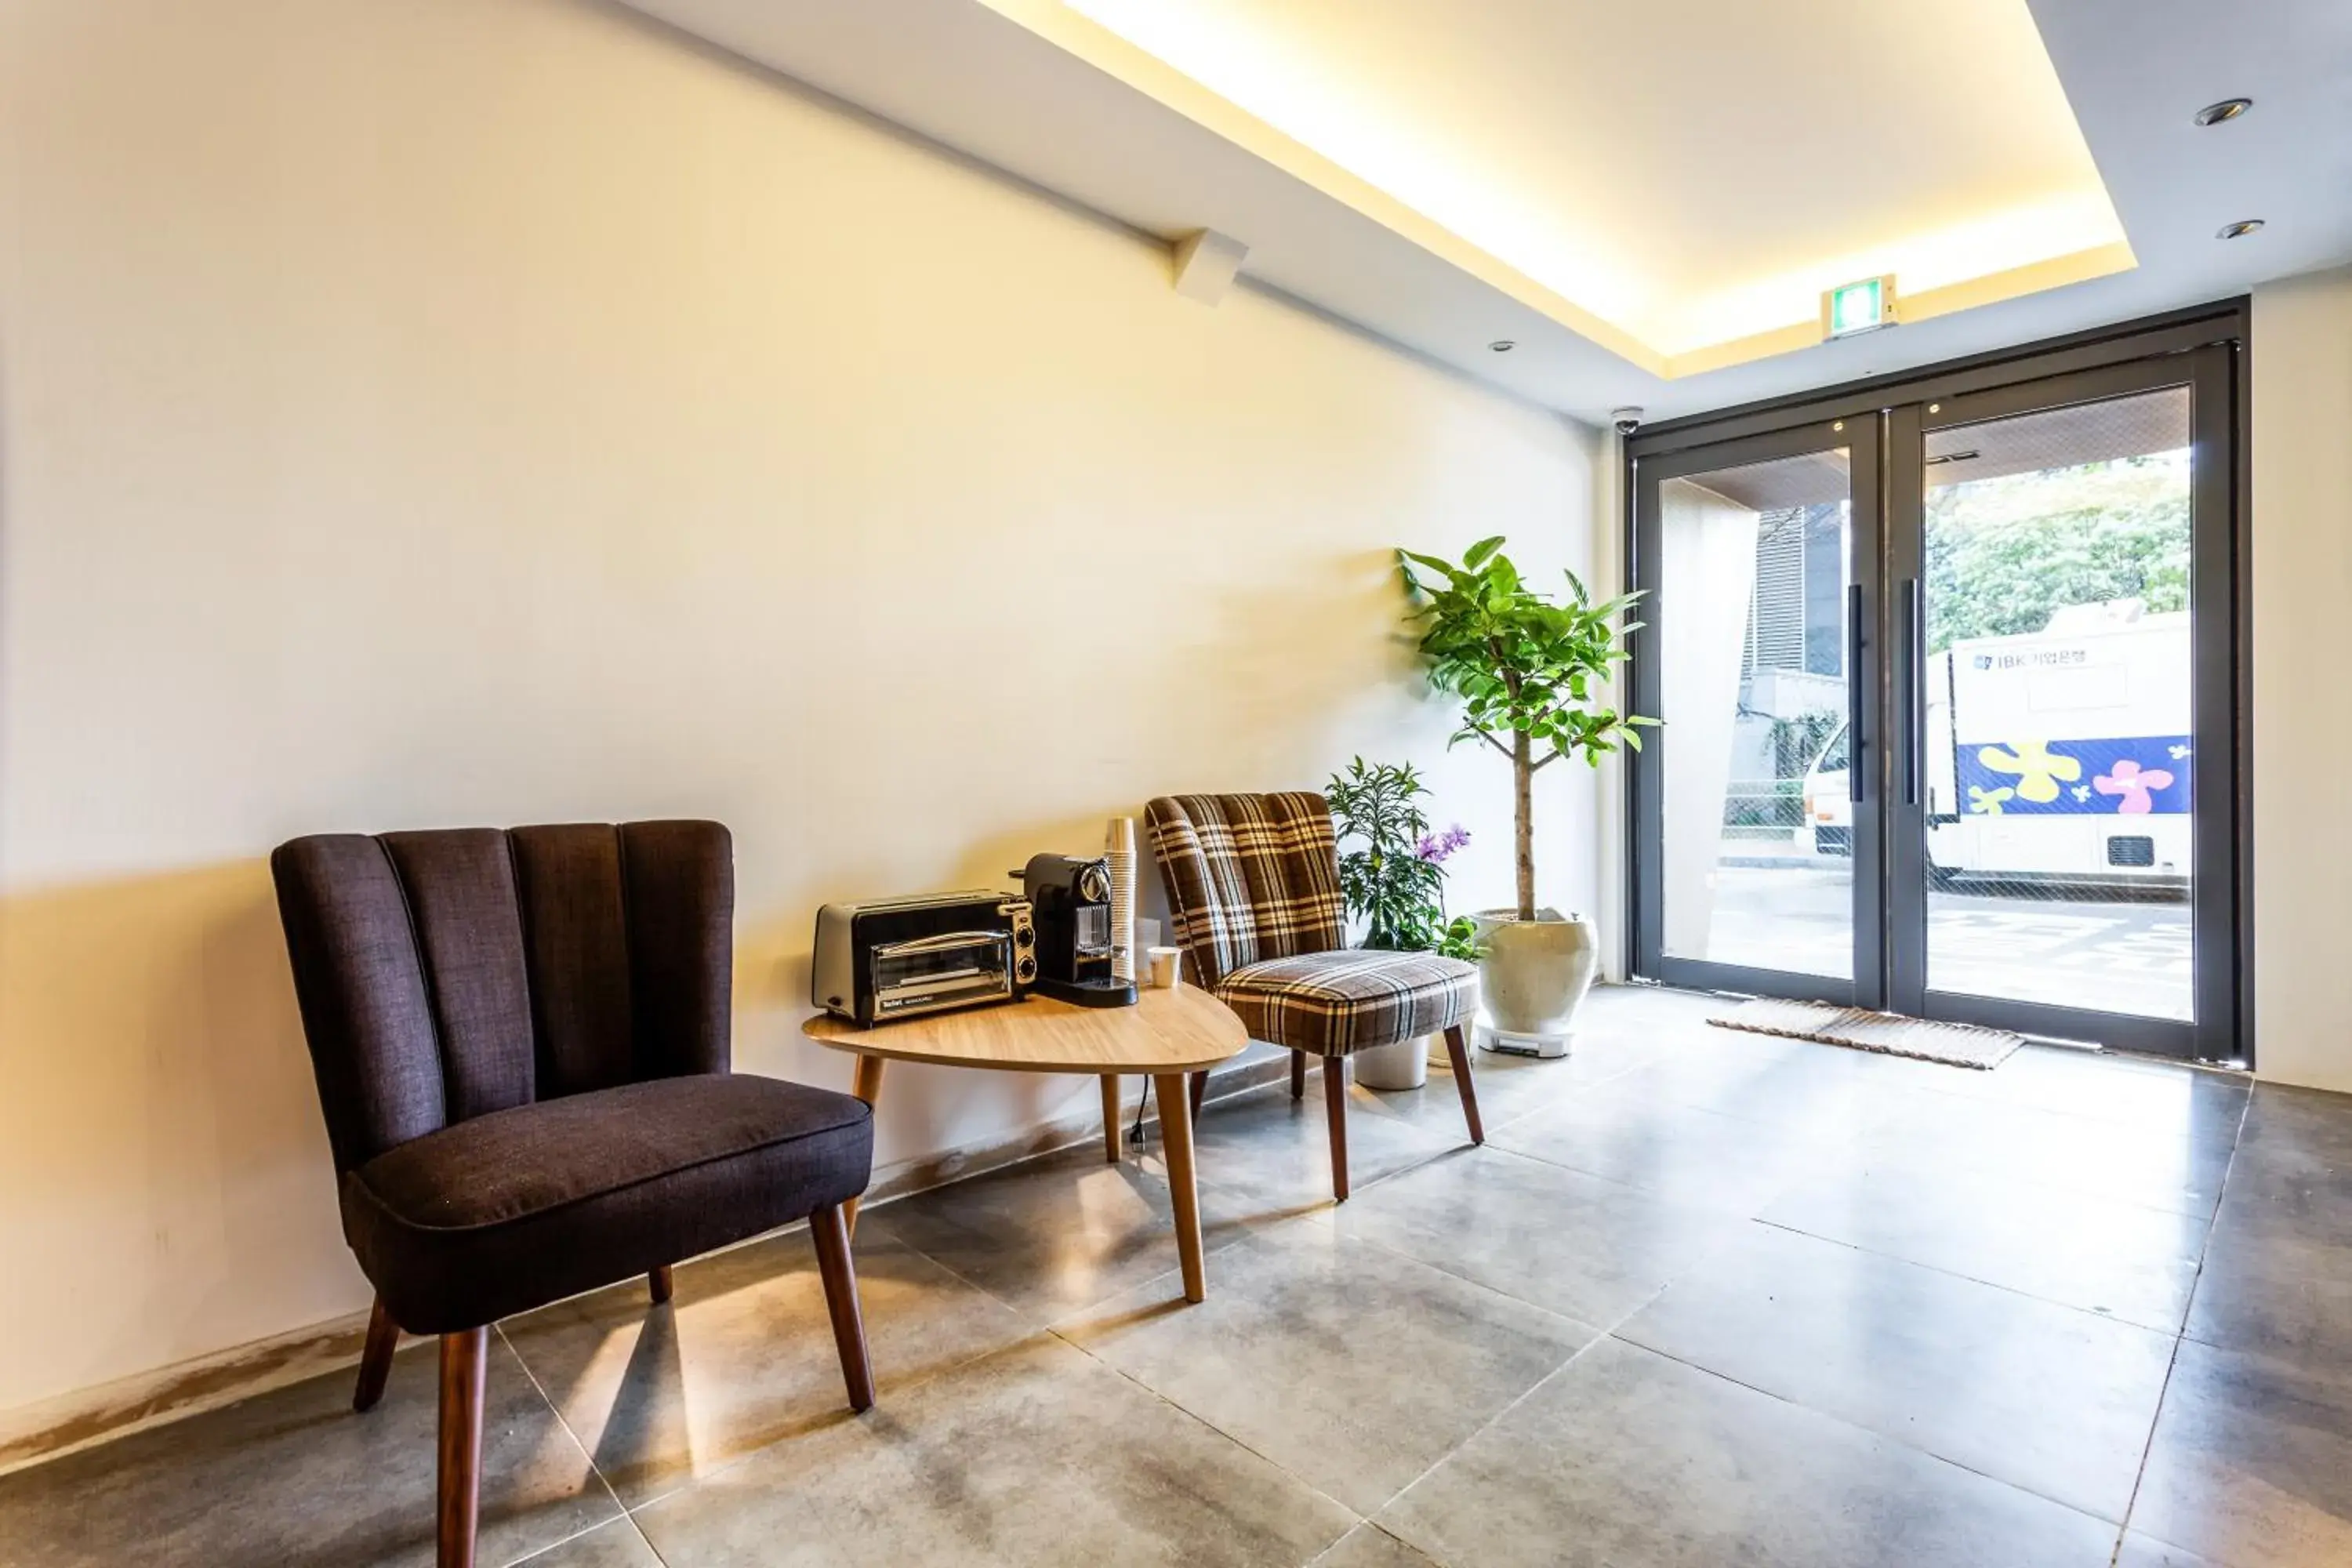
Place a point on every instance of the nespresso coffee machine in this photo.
(1069, 900)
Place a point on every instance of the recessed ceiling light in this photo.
(1502, 345)
(2220, 114)
(2240, 229)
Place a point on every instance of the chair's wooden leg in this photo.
(465, 1364)
(1184, 1193)
(1111, 1127)
(829, 1228)
(867, 1087)
(1458, 1052)
(375, 1359)
(1200, 1090)
(659, 1284)
(1298, 1075)
(1335, 1109)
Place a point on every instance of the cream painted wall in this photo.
(481, 411)
(2302, 698)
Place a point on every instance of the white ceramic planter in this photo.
(1534, 975)
(1404, 1065)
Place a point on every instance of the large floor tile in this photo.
(615, 1545)
(1271, 1155)
(2127, 1261)
(1678, 1152)
(2146, 1551)
(1629, 1459)
(2275, 1296)
(2252, 1462)
(1712, 1066)
(2156, 1166)
(1037, 1457)
(2314, 1120)
(743, 1356)
(2293, 1176)
(1350, 1366)
(2290, 1195)
(1370, 1546)
(296, 1478)
(1657, 1014)
(1571, 1243)
(1509, 1088)
(2192, 1102)
(2056, 1401)
(1821, 1094)
(1055, 1234)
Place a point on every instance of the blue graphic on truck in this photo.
(2136, 775)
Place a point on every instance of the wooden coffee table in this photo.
(1164, 1035)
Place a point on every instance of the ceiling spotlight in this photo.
(1502, 345)
(2220, 114)
(2240, 229)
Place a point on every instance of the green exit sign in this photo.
(1858, 306)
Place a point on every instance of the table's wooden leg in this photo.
(1176, 1130)
(867, 1087)
(1110, 1117)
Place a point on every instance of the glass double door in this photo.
(1947, 695)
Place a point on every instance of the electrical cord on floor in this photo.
(1134, 1133)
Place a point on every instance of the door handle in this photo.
(1853, 704)
(1914, 691)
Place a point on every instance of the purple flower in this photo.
(1435, 847)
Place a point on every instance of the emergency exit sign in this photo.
(1861, 307)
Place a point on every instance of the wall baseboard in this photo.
(83, 1419)
(51, 1428)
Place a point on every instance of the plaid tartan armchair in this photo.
(1253, 886)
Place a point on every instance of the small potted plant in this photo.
(1391, 875)
(1528, 671)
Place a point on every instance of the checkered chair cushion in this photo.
(1353, 999)
(1253, 886)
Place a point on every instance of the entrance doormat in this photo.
(1956, 1044)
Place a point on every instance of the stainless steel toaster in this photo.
(882, 959)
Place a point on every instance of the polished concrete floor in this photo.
(1704, 1298)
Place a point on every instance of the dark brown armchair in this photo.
(521, 1045)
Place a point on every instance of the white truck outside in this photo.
(2060, 757)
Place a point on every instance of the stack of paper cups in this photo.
(1119, 848)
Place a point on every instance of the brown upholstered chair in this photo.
(521, 1045)
(1252, 885)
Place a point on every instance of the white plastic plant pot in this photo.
(1404, 1065)
(1533, 975)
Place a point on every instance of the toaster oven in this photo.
(883, 959)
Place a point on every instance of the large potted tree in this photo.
(1530, 672)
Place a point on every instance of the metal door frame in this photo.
(1861, 439)
(2204, 349)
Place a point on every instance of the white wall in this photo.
(2302, 680)
(484, 411)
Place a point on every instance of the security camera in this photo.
(1627, 420)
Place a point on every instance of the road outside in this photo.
(2114, 956)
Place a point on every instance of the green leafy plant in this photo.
(1394, 890)
(1394, 874)
(1457, 938)
(1527, 670)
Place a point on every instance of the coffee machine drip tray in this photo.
(1088, 992)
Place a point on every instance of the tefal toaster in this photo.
(898, 958)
